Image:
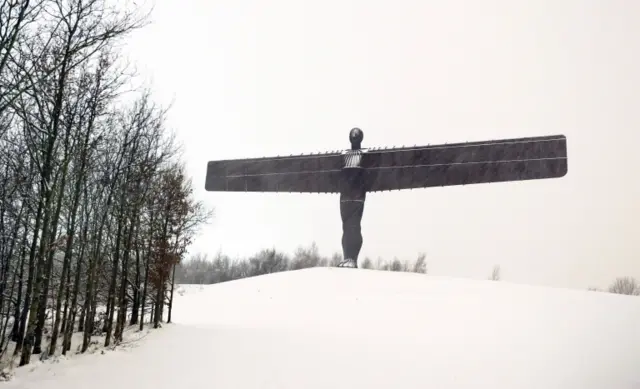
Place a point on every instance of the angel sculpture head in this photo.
(355, 137)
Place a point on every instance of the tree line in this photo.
(96, 209)
(200, 269)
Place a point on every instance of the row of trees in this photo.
(95, 206)
(202, 270)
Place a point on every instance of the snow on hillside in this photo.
(346, 328)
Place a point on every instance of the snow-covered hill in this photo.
(346, 328)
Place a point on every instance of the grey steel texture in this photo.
(354, 172)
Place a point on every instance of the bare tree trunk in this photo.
(173, 283)
(7, 315)
(65, 311)
(143, 301)
(114, 278)
(30, 276)
(37, 349)
(114, 274)
(136, 291)
(122, 310)
(61, 288)
(23, 253)
(7, 261)
(76, 283)
(157, 315)
(87, 315)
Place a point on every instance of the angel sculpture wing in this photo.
(396, 169)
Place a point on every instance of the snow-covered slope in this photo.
(346, 328)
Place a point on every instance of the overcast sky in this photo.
(261, 78)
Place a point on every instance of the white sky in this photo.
(261, 78)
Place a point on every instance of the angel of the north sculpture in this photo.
(354, 172)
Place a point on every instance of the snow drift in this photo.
(346, 328)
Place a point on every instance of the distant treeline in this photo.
(200, 269)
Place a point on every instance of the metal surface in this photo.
(396, 169)
(356, 171)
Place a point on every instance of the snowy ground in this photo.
(346, 328)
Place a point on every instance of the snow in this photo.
(348, 328)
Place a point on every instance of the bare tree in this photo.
(367, 263)
(625, 285)
(335, 259)
(420, 265)
(305, 258)
(495, 273)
